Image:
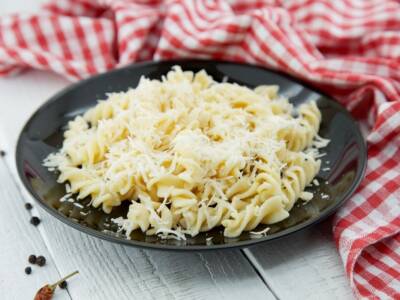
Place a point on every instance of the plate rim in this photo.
(360, 174)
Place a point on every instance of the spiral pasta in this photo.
(191, 154)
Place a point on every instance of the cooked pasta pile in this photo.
(191, 154)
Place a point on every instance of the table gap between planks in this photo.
(302, 266)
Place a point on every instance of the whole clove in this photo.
(47, 291)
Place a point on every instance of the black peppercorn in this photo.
(32, 259)
(41, 261)
(28, 206)
(2, 153)
(63, 284)
(35, 221)
(28, 270)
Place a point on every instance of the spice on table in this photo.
(40, 261)
(63, 284)
(47, 292)
(28, 270)
(35, 221)
(32, 259)
(28, 206)
(2, 153)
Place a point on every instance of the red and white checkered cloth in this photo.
(348, 48)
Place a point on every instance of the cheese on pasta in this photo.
(191, 154)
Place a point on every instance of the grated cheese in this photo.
(191, 154)
(306, 196)
(261, 232)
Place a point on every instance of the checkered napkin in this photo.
(350, 49)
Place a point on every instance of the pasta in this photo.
(191, 154)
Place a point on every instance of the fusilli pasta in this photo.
(191, 154)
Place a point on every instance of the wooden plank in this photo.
(19, 239)
(22, 95)
(305, 265)
(110, 271)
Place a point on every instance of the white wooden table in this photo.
(302, 266)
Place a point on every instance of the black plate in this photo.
(346, 154)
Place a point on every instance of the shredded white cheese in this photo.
(261, 232)
(66, 197)
(78, 205)
(166, 233)
(320, 142)
(191, 154)
(306, 196)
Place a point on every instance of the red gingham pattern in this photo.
(350, 49)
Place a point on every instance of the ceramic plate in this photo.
(342, 167)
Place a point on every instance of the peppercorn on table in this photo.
(302, 266)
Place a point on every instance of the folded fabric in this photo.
(349, 49)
